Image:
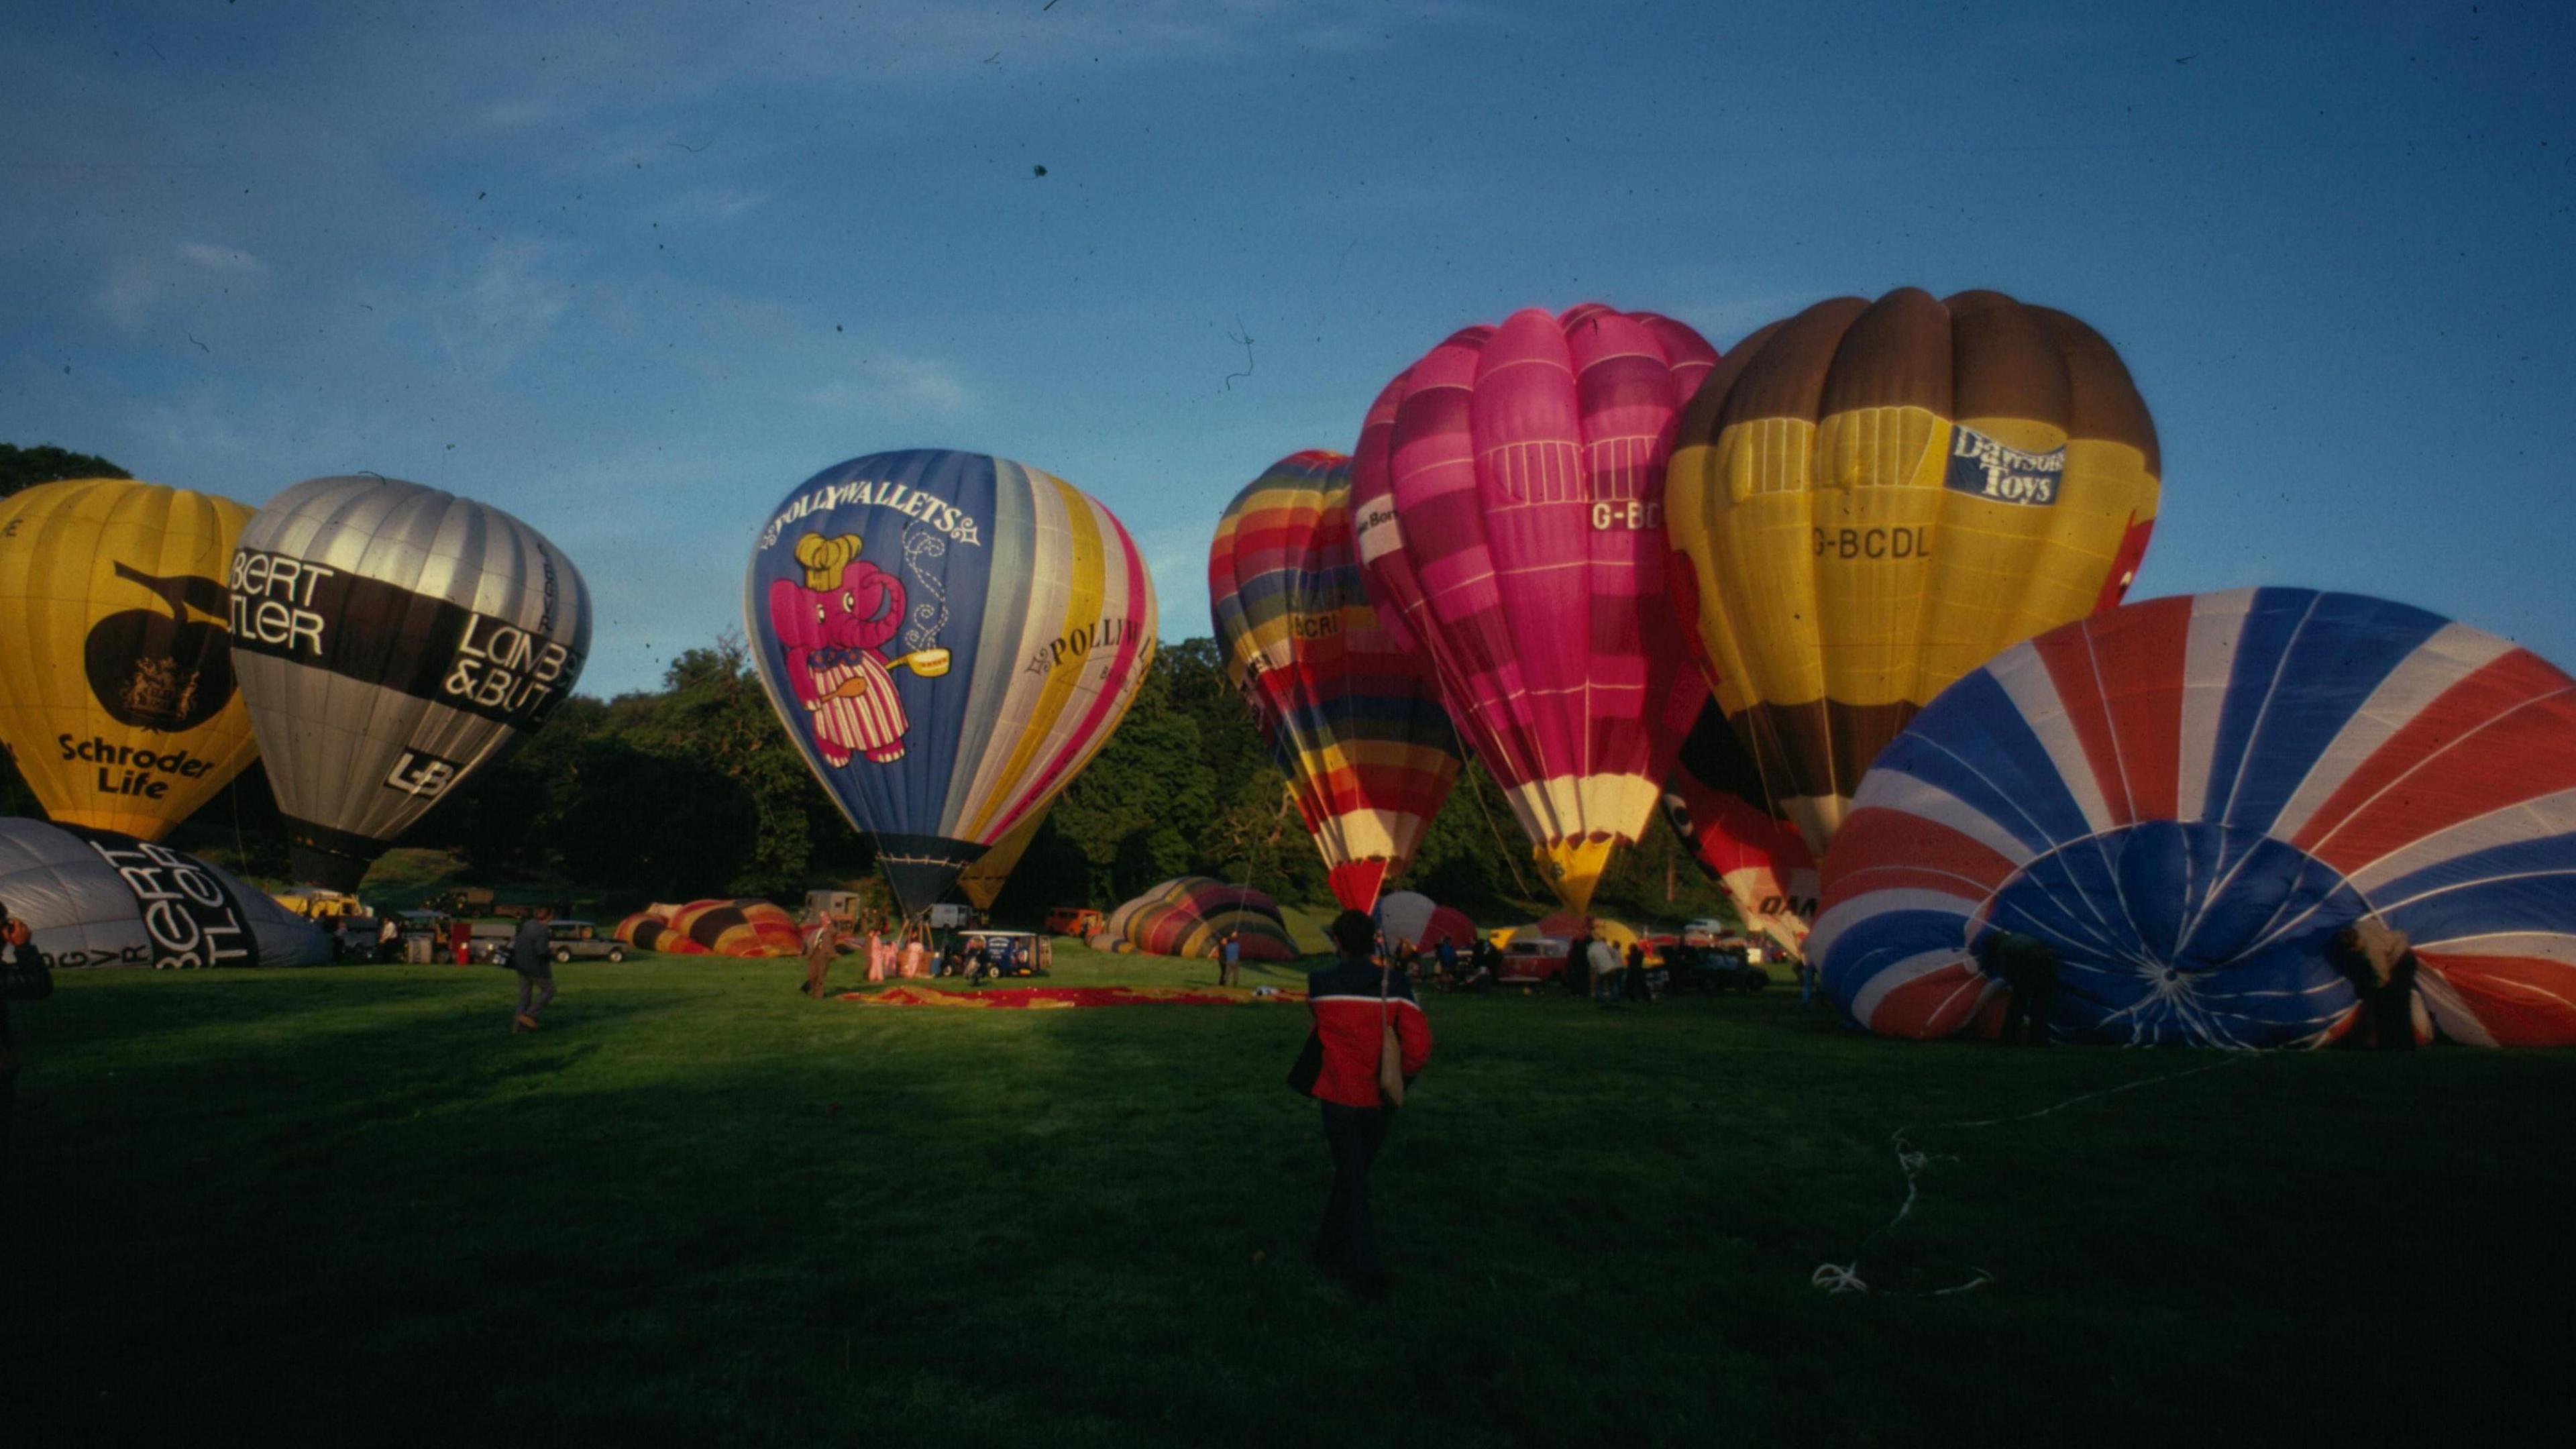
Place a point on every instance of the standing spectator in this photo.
(1604, 960)
(2028, 966)
(913, 953)
(2380, 962)
(1231, 953)
(1445, 958)
(1354, 1002)
(460, 939)
(532, 956)
(389, 939)
(24, 976)
(1578, 960)
(821, 945)
(876, 953)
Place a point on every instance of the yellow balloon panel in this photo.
(1876, 498)
(116, 693)
(983, 881)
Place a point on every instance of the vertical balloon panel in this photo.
(117, 694)
(949, 638)
(391, 639)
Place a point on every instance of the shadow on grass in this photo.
(699, 1208)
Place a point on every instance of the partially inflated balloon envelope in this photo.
(1507, 500)
(99, 898)
(1714, 802)
(391, 638)
(949, 638)
(2188, 797)
(1192, 915)
(116, 688)
(1351, 711)
(1874, 498)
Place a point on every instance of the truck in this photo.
(951, 915)
(1080, 921)
(460, 901)
(316, 904)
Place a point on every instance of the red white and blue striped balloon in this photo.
(2188, 797)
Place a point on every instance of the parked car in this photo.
(580, 940)
(1534, 958)
(1078, 921)
(460, 901)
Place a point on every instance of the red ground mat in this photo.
(1059, 997)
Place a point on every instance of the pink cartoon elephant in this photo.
(830, 627)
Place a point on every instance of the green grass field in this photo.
(348, 1206)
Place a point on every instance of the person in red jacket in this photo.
(1354, 1000)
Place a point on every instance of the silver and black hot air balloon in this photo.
(389, 639)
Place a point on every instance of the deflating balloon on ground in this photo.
(2187, 798)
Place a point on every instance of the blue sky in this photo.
(634, 271)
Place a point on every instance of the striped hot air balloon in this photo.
(390, 639)
(1351, 712)
(2187, 798)
(117, 698)
(949, 638)
(1191, 915)
(1507, 501)
(1871, 499)
(1410, 918)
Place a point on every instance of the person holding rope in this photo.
(2028, 967)
(1359, 1004)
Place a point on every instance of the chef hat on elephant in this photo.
(824, 558)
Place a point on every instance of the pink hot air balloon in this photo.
(1507, 500)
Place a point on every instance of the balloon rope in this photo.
(1912, 1160)
(1477, 793)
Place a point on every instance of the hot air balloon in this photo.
(116, 688)
(949, 638)
(1192, 915)
(1714, 802)
(1410, 918)
(1874, 498)
(390, 638)
(2187, 798)
(1508, 509)
(100, 898)
(1351, 712)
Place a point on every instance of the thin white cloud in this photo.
(231, 260)
(901, 384)
(509, 305)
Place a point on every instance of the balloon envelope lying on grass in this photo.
(743, 927)
(98, 898)
(1351, 711)
(2188, 797)
(1508, 506)
(117, 699)
(1191, 915)
(1875, 497)
(949, 638)
(392, 638)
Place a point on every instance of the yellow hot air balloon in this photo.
(116, 688)
(1875, 498)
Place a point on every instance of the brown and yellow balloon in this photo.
(1874, 498)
